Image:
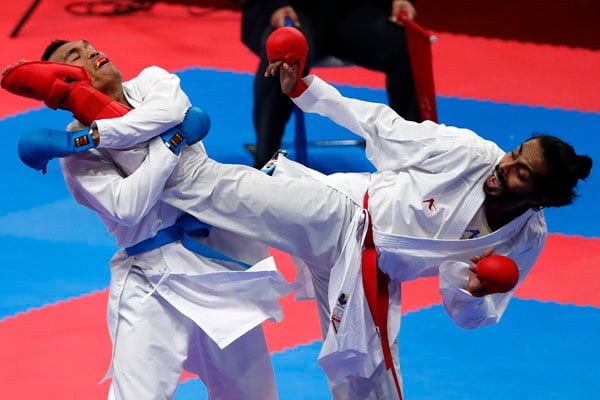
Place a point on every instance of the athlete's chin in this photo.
(493, 191)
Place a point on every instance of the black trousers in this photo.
(363, 36)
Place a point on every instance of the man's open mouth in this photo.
(494, 181)
(101, 61)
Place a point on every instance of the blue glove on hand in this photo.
(38, 147)
(194, 128)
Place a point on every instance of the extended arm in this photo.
(391, 141)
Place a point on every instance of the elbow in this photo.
(128, 217)
(474, 323)
(466, 325)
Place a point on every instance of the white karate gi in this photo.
(169, 307)
(428, 187)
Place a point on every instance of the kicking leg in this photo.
(302, 217)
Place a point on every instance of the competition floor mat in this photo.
(504, 74)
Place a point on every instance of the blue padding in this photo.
(537, 351)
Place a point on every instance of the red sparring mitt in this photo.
(289, 45)
(61, 86)
(42, 80)
(497, 274)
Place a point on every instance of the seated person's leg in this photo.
(367, 38)
(271, 111)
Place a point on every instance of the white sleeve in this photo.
(391, 141)
(97, 183)
(470, 312)
(466, 310)
(159, 104)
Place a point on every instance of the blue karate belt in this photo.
(185, 227)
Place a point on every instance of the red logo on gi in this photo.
(431, 203)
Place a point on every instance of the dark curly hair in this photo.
(566, 168)
(55, 44)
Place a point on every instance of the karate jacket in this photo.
(427, 188)
(124, 187)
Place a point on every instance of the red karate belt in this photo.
(375, 283)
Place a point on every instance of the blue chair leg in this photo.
(300, 137)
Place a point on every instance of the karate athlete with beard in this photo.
(169, 307)
(434, 187)
(441, 200)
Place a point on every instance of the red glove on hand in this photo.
(62, 86)
(289, 45)
(42, 80)
(497, 274)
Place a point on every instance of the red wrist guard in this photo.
(298, 89)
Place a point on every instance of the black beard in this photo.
(506, 196)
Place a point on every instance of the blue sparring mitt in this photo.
(194, 128)
(38, 147)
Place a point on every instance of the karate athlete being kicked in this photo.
(169, 307)
(434, 186)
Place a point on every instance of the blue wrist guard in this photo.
(173, 139)
(82, 141)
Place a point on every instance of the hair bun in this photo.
(584, 166)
